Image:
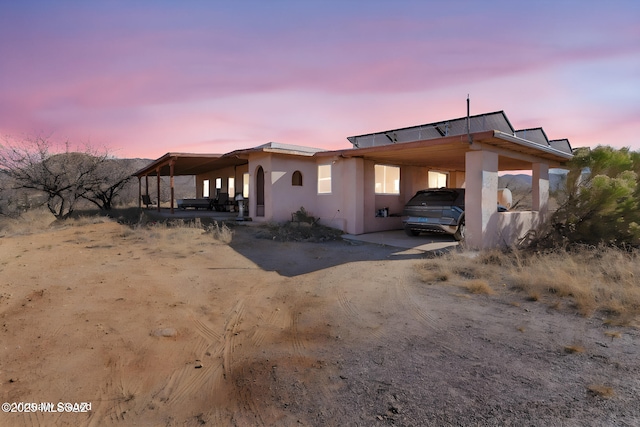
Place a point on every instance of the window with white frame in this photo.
(387, 179)
(218, 184)
(437, 179)
(245, 185)
(324, 179)
(205, 188)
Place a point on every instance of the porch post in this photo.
(171, 163)
(481, 199)
(158, 185)
(540, 190)
(139, 193)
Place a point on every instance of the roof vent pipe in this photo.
(468, 123)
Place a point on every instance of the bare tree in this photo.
(62, 175)
(112, 176)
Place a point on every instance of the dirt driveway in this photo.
(168, 327)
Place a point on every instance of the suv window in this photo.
(434, 197)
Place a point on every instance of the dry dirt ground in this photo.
(170, 327)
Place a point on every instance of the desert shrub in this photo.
(600, 202)
(221, 233)
(303, 232)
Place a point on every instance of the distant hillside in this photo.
(523, 181)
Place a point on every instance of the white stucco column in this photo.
(481, 199)
(540, 190)
(353, 196)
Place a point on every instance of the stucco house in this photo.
(346, 189)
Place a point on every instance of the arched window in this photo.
(296, 178)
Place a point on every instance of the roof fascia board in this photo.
(529, 144)
(529, 158)
(359, 152)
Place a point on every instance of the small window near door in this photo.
(387, 179)
(205, 188)
(296, 178)
(218, 184)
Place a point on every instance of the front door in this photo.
(260, 192)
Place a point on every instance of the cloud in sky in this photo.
(145, 78)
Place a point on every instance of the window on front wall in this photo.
(387, 179)
(245, 185)
(218, 184)
(437, 179)
(296, 178)
(231, 187)
(324, 179)
(205, 188)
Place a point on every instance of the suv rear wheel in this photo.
(411, 232)
(460, 232)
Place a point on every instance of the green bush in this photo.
(601, 200)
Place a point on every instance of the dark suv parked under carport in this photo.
(439, 210)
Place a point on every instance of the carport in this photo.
(472, 160)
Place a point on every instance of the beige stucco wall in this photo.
(281, 197)
(513, 226)
(352, 204)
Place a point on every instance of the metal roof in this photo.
(478, 123)
(495, 121)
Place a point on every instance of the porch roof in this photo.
(190, 164)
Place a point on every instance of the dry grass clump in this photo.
(221, 233)
(591, 280)
(574, 348)
(595, 279)
(31, 221)
(601, 390)
(479, 286)
(456, 267)
(613, 334)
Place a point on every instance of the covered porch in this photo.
(185, 164)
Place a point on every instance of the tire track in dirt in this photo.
(204, 379)
(189, 381)
(262, 330)
(297, 342)
(353, 314)
(40, 419)
(347, 306)
(230, 333)
(110, 405)
(408, 298)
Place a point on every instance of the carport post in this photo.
(540, 190)
(481, 199)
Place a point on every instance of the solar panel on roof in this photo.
(536, 135)
(561, 145)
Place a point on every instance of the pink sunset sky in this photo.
(143, 78)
